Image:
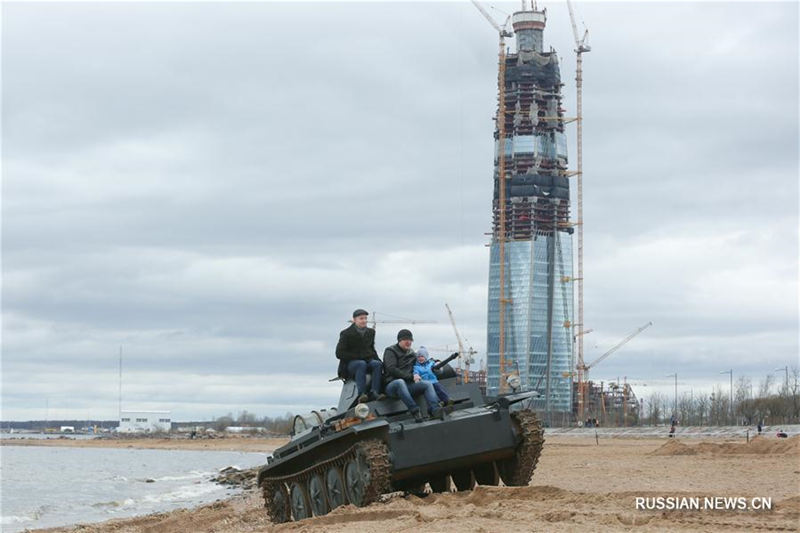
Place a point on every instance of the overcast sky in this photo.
(215, 187)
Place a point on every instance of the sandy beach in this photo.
(578, 485)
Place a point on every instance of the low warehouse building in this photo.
(144, 421)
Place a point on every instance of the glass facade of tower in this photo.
(528, 281)
(536, 233)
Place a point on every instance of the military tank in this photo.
(358, 451)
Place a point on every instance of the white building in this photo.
(144, 421)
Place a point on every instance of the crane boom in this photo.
(467, 356)
(580, 42)
(502, 31)
(458, 337)
(401, 320)
(487, 16)
(574, 26)
(619, 345)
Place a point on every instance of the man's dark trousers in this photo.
(358, 369)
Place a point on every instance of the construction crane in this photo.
(502, 33)
(581, 47)
(583, 369)
(466, 356)
(400, 320)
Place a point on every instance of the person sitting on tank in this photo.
(402, 382)
(425, 367)
(357, 356)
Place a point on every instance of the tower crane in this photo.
(400, 320)
(466, 356)
(581, 47)
(502, 33)
(583, 369)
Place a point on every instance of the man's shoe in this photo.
(450, 403)
(363, 398)
(417, 415)
(437, 413)
(381, 397)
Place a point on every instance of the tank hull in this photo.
(388, 451)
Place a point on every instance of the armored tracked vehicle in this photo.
(358, 451)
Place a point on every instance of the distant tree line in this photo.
(772, 402)
(279, 425)
(41, 425)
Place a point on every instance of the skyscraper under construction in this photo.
(529, 331)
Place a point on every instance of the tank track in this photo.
(518, 471)
(376, 455)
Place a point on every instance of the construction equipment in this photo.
(397, 320)
(583, 369)
(368, 449)
(502, 33)
(581, 47)
(466, 356)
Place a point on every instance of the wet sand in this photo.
(578, 485)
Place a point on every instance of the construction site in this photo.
(534, 335)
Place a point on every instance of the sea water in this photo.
(46, 486)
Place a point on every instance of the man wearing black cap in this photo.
(401, 382)
(357, 356)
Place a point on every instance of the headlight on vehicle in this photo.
(361, 410)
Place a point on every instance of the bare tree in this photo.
(702, 403)
(224, 421)
(741, 396)
(246, 419)
(686, 409)
(764, 386)
(794, 395)
(654, 408)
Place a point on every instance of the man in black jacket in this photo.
(357, 355)
(401, 382)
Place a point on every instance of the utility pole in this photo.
(120, 384)
(786, 370)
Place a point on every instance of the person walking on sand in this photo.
(357, 356)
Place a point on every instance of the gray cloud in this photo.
(215, 187)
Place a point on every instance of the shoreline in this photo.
(220, 444)
(579, 484)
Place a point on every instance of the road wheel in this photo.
(298, 495)
(486, 474)
(463, 479)
(334, 486)
(356, 479)
(316, 493)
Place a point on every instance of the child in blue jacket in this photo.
(424, 369)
